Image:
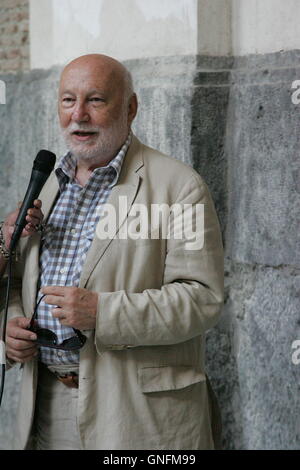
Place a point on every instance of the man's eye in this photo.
(96, 99)
(67, 102)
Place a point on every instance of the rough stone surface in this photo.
(29, 123)
(233, 120)
(258, 388)
(14, 35)
(264, 169)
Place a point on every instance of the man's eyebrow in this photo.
(66, 92)
(91, 92)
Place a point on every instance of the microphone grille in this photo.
(44, 161)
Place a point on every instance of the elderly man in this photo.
(120, 321)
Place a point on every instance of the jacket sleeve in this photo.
(15, 308)
(190, 298)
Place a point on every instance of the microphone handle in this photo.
(37, 181)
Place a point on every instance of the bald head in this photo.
(105, 67)
(96, 106)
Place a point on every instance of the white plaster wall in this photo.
(242, 27)
(130, 29)
(262, 26)
(214, 27)
(126, 29)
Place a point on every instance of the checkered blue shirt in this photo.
(67, 237)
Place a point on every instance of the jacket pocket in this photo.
(162, 378)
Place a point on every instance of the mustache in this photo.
(81, 128)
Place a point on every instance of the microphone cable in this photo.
(3, 340)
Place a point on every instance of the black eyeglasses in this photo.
(48, 338)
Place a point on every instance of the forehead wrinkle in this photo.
(89, 92)
(110, 76)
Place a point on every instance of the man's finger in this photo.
(54, 300)
(22, 322)
(17, 329)
(20, 345)
(29, 228)
(19, 333)
(59, 314)
(37, 203)
(55, 290)
(20, 357)
(33, 220)
(35, 213)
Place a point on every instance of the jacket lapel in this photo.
(127, 187)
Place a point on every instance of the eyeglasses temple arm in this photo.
(35, 312)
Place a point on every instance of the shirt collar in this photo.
(66, 167)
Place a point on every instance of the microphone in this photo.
(42, 167)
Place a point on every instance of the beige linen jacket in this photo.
(142, 382)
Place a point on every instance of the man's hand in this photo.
(34, 218)
(20, 346)
(76, 307)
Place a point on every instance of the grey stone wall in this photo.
(233, 120)
(14, 35)
(252, 346)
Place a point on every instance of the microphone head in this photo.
(44, 161)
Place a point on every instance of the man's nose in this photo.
(80, 113)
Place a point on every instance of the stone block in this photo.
(263, 167)
(13, 53)
(249, 356)
(10, 28)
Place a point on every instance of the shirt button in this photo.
(73, 231)
(59, 353)
(63, 270)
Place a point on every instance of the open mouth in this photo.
(83, 136)
(84, 133)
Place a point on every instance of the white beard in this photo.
(103, 146)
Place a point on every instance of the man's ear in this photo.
(132, 108)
